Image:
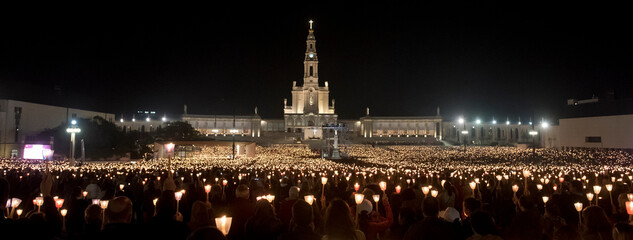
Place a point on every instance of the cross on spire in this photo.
(311, 24)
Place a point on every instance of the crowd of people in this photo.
(289, 192)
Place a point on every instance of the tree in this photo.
(177, 130)
(101, 139)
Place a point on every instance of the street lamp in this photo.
(72, 129)
(464, 131)
(533, 133)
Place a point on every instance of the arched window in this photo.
(311, 71)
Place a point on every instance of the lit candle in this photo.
(629, 207)
(358, 197)
(104, 204)
(323, 180)
(515, 188)
(526, 173)
(472, 185)
(383, 186)
(398, 188)
(270, 198)
(539, 187)
(59, 203)
(590, 197)
(309, 199)
(545, 199)
(356, 187)
(578, 206)
(425, 190)
(178, 196)
(434, 193)
(84, 193)
(224, 224)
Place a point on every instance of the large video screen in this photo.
(36, 151)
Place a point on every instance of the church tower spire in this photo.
(311, 62)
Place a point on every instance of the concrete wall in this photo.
(614, 131)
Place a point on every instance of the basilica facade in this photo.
(310, 107)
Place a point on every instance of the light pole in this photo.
(72, 129)
(464, 131)
(533, 133)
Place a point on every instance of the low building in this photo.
(20, 120)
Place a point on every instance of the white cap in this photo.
(450, 214)
(365, 206)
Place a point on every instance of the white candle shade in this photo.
(578, 206)
(358, 197)
(309, 199)
(376, 198)
(425, 190)
(104, 204)
(434, 193)
(383, 186)
(223, 224)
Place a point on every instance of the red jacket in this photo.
(379, 224)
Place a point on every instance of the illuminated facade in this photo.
(309, 107)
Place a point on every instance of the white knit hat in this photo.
(365, 206)
(450, 214)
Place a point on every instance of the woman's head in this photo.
(595, 219)
(338, 221)
(263, 211)
(200, 215)
(482, 223)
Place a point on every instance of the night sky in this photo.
(476, 59)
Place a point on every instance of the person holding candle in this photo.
(595, 224)
(285, 208)
(552, 220)
(167, 224)
(92, 223)
(302, 223)
(371, 223)
(118, 217)
(469, 206)
(483, 227)
(447, 197)
(339, 222)
(241, 209)
(528, 223)
(201, 216)
(264, 224)
(431, 226)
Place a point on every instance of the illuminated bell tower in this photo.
(309, 108)
(311, 62)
